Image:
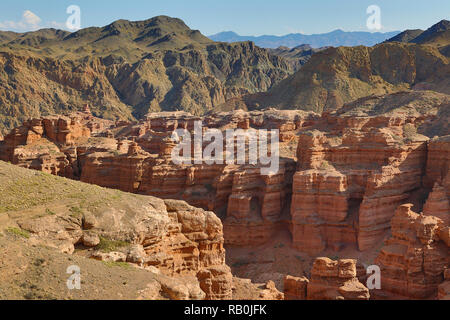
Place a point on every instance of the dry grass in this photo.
(23, 189)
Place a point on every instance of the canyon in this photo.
(89, 126)
(348, 181)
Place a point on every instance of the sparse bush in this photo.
(50, 212)
(107, 245)
(18, 232)
(409, 131)
(76, 212)
(334, 258)
(325, 165)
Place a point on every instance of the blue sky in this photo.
(246, 17)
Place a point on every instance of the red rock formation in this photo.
(353, 170)
(245, 199)
(346, 190)
(444, 288)
(216, 282)
(413, 260)
(45, 144)
(438, 161)
(335, 280)
(295, 288)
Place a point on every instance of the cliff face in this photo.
(352, 176)
(414, 259)
(342, 177)
(335, 280)
(127, 69)
(168, 237)
(137, 158)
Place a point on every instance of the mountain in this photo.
(336, 76)
(127, 69)
(437, 35)
(406, 36)
(296, 56)
(335, 39)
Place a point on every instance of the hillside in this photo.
(406, 36)
(297, 56)
(127, 246)
(127, 69)
(437, 35)
(336, 76)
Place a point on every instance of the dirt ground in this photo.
(277, 258)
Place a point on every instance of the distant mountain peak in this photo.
(438, 32)
(334, 38)
(228, 33)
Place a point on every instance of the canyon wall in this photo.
(343, 182)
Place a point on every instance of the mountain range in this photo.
(335, 38)
(127, 69)
(336, 76)
(130, 68)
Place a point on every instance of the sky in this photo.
(245, 17)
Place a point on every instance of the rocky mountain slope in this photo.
(406, 36)
(297, 56)
(438, 35)
(127, 69)
(336, 76)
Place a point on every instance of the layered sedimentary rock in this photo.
(295, 288)
(444, 288)
(413, 261)
(49, 144)
(357, 166)
(164, 236)
(335, 280)
(351, 170)
(137, 157)
(348, 191)
(438, 161)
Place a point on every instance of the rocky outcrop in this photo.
(438, 160)
(136, 157)
(413, 261)
(355, 166)
(358, 165)
(346, 192)
(295, 288)
(49, 144)
(170, 236)
(444, 288)
(335, 280)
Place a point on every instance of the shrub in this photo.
(18, 232)
(107, 245)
